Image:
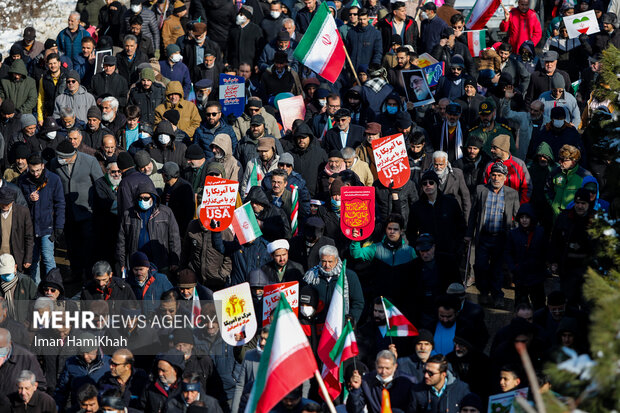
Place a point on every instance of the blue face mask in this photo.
(144, 205)
(335, 205)
(7, 277)
(4, 351)
(391, 110)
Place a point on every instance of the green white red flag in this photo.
(321, 48)
(286, 362)
(244, 224)
(481, 13)
(476, 41)
(397, 324)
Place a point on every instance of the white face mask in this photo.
(51, 135)
(306, 310)
(240, 20)
(322, 102)
(176, 58)
(136, 8)
(164, 139)
(558, 123)
(275, 14)
(386, 380)
(423, 15)
(62, 161)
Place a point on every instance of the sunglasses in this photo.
(71, 81)
(115, 172)
(144, 198)
(50, 289)
(116, 364)
(430, 373)
(428, 183)
(212, 114)
(288, 165)
(353, 14)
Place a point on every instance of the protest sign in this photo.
(581, 23)
(271, 296)
(99, 55)
(391, 160)
(291, 109)
(357, 211)
(235, 313)
(425, 59)
(416, 87)
(232, 94)
(433, 73)
(218, 203)
(504, 402)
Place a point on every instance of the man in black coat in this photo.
(281, 269)
(178, 195)
(221, 17)
(245, 41)
(272, 220)
(305, 247)
(305, 15)
(109, 82)
(345, 134)
(147, 95)
(540, 80)
(106, 220)
(130, 58)
(128, 380)
(514, 68)
(166, 383)
(308, 155)
(93, 134)
(473, 164)
(132, 178)
(409, 31)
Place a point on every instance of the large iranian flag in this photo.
(321, 48)
(481, 13)
(476, 41)
(287, 361)
(397, 324)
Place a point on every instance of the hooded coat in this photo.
(309, 161)
(205, 136)
(172, 152)
(276, 224)
(521, 27)
(23, 93)
(232, 167)
(562, 185)
(189, 118)
(164, 244)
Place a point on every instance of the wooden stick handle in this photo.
(351, 64)
(328, 399)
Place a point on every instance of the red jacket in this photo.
(518, 177)
(522, 27)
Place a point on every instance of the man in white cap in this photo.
(281, 269)
(16, 289)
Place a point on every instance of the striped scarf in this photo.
(313, 277)
(445, 139)
(8, 291)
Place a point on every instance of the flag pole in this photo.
(351, 64)
(328, 399)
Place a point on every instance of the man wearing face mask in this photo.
(20, 88)
(272, 23)
(557, 97)
(529, 122)
(46, 141)
(280, 43)
(15, 287)
(151, 228)
(15, 359)
(308, 304)
(557, 133)
(150, 28)
(164, 148)
(430, 29)
(245, 39)
(195, 45)
(174, 69)
(367, 391)
(489, 127)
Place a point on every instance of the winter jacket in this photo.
(189, 116)
(78, 184)
(247, 149)
(204, 137)
(176, 71)
(600, 205)
(478, 213)
(518, 177)
(325, 291)
(567, 101)
(369, 397)
(288, 83)
(541, 82)
(386, 28)
(374, 99)
(261, 171)
(430, 34)
(268, 54)
(307, 257)
(562, 185)
(521, 27)
(232, 167)
(49, 89)
(469, 106)
(242, 124)
(172, 152)
(21, 238)
(150, 26)
(76, 374)
(116, 290)
(129, 68)
(293, 179)
(245, 44)
(23, 93)
(364, 45)
(407, 195)
(303, 18)
(245, 258)
(177, 404)
(127, 189)
(556, 138)
(276, 224)
(70, 44)
(114, 84)
(48, 213)
(25, 291)
(445, 54)
(519, 74)
(455, 186)
(171, 30)
(19, 359)
(80, 102)
(424, 399)
(163, 246)
(473, 171)
(308, 161)
(149, 294)
(147, 100)
(130, 391)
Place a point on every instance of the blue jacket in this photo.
(48, 213)
(430, 34)
(157, 285)
(304, 195)
(204, 137)
(364, 45)
(245, 258)
(84, 68)
(71, 46)
(178, 72)
(77, 373)
(369, 396)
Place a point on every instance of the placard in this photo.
(235, 313)
(504, 402)
(218, 203)
(291, 109)
(357, 211)
(425, 59)
(391, 160)
(232, 94)
(581, 23)
(271, 296)
(416, 87)
(433, 73)
(99, 55)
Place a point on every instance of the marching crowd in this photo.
(109, 130)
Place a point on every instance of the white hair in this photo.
(386, 354)
(328, 250)
(75, 13)
(67, 112)
(440, 155)
(112, 100)
(26, 375)
(44, 303)
(288, 20)
(348, 153)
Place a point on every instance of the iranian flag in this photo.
(255, 178)
(481, 13)
(321, 49)
(244, 224)
(328, 125)
(397, 324)
(286, 362)
(476, 41)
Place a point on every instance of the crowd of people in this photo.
(109, 131)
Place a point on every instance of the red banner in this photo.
(218, 203)
(391, 160)
(271, 296)
(357, 211)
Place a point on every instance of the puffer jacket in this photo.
(147, 100)
(150, 293)
(204, 137)
(114, 84)
(199, 254)
(364, 45)
(232, 167)
(23, 93)
(164, 245)
(242, 124)
(80, 102)
(189, 118)
(561, 186)
(521, 27)
(71, 46)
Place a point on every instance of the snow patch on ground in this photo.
(47, 17)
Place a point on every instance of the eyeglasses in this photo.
(50, 289)
(428, 183)
(341, 120)
(144, 198)
(112, 363)
(212, 114)
(282, 165)
(71, 81)
(430, 373)
(353, 14)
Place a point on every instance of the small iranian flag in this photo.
(195, 308)
(328, 125)
(321, 49)
(481, 13)
(286, 362)
(295, 209)
(476, 41)
(255, 178)
(244, 224)
(397, 324)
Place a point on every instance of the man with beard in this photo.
(530, 123)
(514, 68)
(473, 164)
(361, 114)
(254, 106)
(105, 211)
(281, 269)
(189, 118)
(10, 125)
(420, 156)
(145, 44)
(281, 43)
(94, 132)
(370, 335)
(344, 134)
(213, 124)
(110, 117)
(452, 85)
(147, 94)
(489, 128)
(416, 84)
(413, 365)
(46, 201)
(518, 175)
(265, 162)
(470, 102)
(247, 149)
(451, 139)
(540, 80)
(166, 384)
(203, 90)
(402, 63)
(451, 181)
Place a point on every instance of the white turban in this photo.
(276, 245)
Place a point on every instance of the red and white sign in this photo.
(391, 160)
(357, 211)
(219, 197)
(271, 296)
